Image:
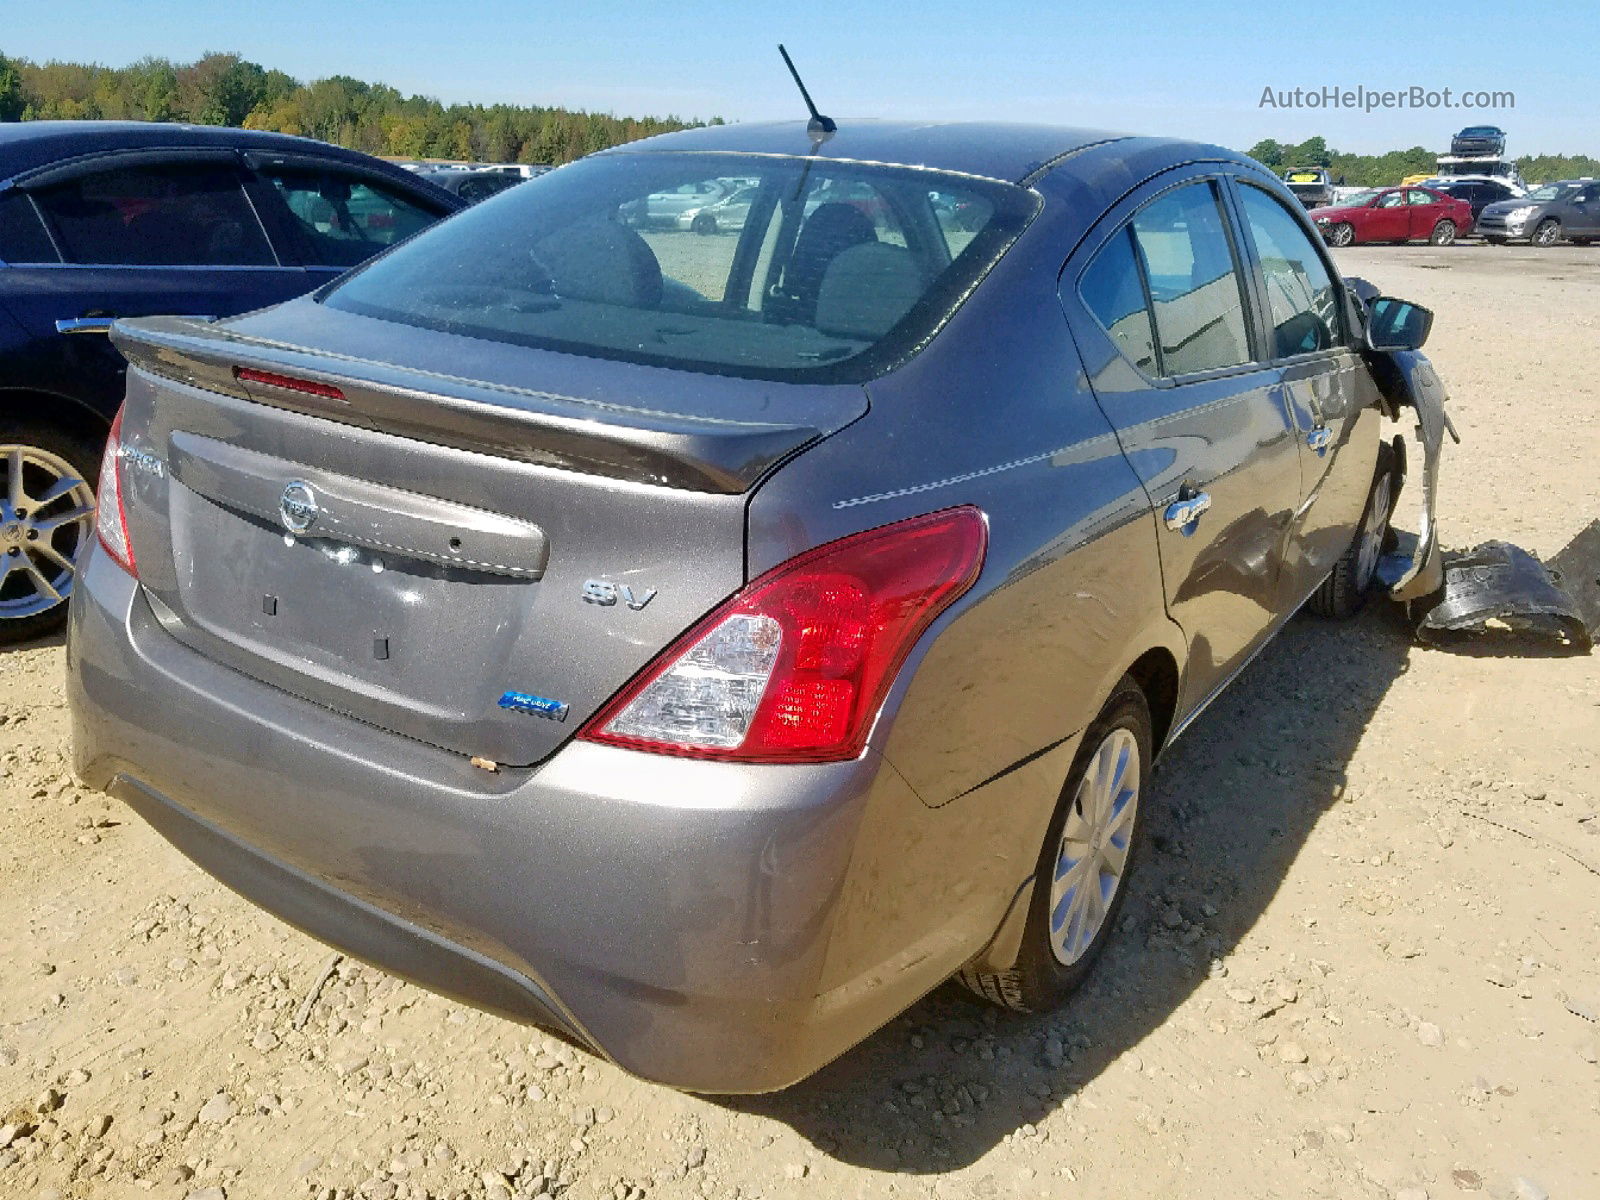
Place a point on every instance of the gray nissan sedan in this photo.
(706, 646)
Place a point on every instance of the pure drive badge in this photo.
(297, 507)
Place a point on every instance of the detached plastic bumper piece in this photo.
(1498, 588)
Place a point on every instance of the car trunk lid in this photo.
(424, 542)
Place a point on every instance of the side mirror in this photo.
(1397, 324)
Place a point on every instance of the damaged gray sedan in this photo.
(707, 646)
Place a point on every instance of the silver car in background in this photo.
(707, 646)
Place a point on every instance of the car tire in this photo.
(1344, 592)
(1493, 240)
(1577, 241)
(1444, 234)
(704, 224)
(1342, 234)
(1050, 965)
(36, 561)
(1547, 232)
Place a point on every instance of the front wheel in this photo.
(1345, 590)
(1548, 233)
(1342, 234)
(1093, 842)
(1444, 233)
(47, 481)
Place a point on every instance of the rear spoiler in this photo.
(638, 445)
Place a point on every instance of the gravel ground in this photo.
(1361, 961)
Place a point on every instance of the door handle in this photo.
(1184, 513)
(103, 324)
(84, 324)
(1319, 439)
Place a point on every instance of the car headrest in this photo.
(866, 290)
(602, 261)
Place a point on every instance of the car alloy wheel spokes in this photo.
(46, 520)
(1093, 852)
(1372, 532)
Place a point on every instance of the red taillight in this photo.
(288, 383)
(794, 667)
(111, 521)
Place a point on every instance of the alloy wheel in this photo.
(46, 521)
(1095, 840)
(1373, 530)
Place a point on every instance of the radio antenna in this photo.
(818, 124)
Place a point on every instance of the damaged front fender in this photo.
(1407, 380)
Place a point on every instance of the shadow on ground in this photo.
(44, 643)
(1232, 805)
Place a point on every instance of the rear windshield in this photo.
(772, 268)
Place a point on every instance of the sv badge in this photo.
(602, 592)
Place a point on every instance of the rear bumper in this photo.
(677, 916)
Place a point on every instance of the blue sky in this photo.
(1194, 69)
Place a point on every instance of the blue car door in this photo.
(136, 233)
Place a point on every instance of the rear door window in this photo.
(1113, 290)
(1196, 289)
(167, 215)
(344, 218)
(1302, 301)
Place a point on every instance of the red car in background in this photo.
(1398, 214)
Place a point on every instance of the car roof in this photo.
(994, 150)
(25, 145)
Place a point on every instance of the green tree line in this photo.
(227, 89)
(1383, 170)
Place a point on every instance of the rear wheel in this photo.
(1548, 233)
(705, 223)
(1444, 233)
(1345, 590)
(1342, 234)
(47, 480)
(1092, 845)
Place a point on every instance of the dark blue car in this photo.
(106, 219)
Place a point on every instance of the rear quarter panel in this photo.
(983, 718)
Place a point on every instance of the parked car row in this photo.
(1446, 210)
(100, 220)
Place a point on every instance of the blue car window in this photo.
(167, 215)
(346, 219)
(22, 238)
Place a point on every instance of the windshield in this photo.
(829, 272)
(1550, 191)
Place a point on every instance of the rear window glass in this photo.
(764, 267)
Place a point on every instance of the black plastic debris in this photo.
(1497, 588)
(1576, 571)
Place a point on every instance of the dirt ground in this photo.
(1361, 961)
